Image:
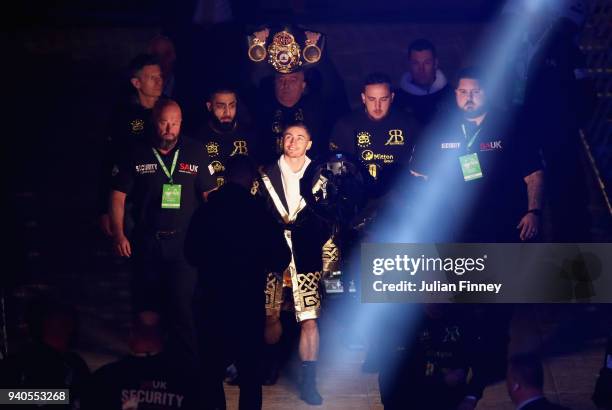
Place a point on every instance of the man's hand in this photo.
(262, 35)
(122, 246)
(468, 403)
(312, 37)
(105, 225)
(529, 226)
(206, 193)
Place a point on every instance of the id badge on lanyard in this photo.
(171, 196)
(171, 192)
(470, 164)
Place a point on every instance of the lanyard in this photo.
(471, 141)
(161, 162)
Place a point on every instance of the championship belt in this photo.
(284, 53)
(287, 50)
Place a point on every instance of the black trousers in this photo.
(230, 330)
(164, 282)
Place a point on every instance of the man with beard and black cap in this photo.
(166, 178)
(224, 135)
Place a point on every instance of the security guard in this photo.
(491, 179)
(147, 378)
(223, 135)
(166, 178)
(131, 121)
(377, 136)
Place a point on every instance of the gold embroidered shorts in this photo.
(306, 295)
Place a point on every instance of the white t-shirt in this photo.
(291, 183)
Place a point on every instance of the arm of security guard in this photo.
(105, 171)
(121, 243)
(530, 222)
(108, 160)
(528, 159)
(121, 185)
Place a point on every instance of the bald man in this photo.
(165, 178)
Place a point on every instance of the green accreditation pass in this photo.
(171, 196)
(171, 192)
(470, 166)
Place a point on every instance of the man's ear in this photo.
(363, 99)
(135, 82)
(209, 106)
(392, 96)
(308, 145)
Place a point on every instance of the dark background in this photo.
(62, 70)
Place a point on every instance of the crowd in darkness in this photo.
(218, 190)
